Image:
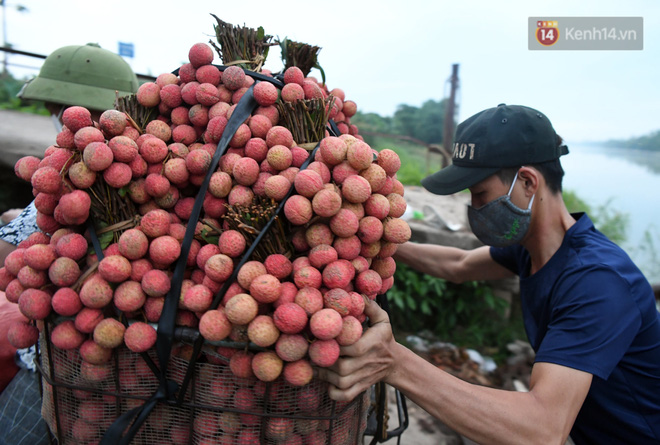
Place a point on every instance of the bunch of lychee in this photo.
(296, 307)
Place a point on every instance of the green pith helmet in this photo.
(87, 76)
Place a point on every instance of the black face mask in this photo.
(500, 223)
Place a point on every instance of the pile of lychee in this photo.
(295, 308)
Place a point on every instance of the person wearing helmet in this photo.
(82, 75)
(87, 76)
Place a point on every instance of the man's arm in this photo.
(451, 263)
(543, 415)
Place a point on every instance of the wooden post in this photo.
(450, 112)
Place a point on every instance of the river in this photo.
(626, 181)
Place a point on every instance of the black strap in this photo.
(167, 322)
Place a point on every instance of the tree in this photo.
(405, 120)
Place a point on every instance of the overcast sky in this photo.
(390, 52)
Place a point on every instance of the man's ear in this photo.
(531, 179)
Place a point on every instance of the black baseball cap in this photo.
(493, 139)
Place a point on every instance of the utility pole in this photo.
(4, 35)
(19, 8)
(450, 112)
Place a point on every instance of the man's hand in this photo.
(365, 362)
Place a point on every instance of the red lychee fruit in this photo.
(368, 282)
(87, 135)
(370, 229)
(232, 243)
(241, 309)
(298, 373)
(133, 244)
(66, 336)
(153, 150)
(389, 160)
(219, 267)
(291, 347)
(200, 54)
(326, 203)
(290, 318)
(241, 364)
(359, 155)
(164, 250)
(63, 272)
(276, 187)
(94, 353)
(292, 92)
(308, 276)
(262, 331)
(265, 288)
(148, 94)
(293, 74)
(279, 157)
(321, 255)
(333, 150)
(348, 248)
(115, 268)
(265, 93)
(308, 183)
(87, 319)
(22, 335)
(324, 353)
(310, 299)
(339, 300)
(66, 302)
(338, 274)
(75, 118)
(396, 230)
(155, 283)
(214, 325)
(279, 135)
(139, 336)
(39, 256)
(356, 189)
(233, 77)
(248, 272)
(129, 296)
(344, 223)
(278, 265)
(109, 333)
(267, 366)
(351, 331)
(240, 195)
(298, 210)
(246, 171)
(96, 293)
(397, 205)
(26, 166)
(46, 180)
(325, 324)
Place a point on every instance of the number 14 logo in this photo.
(547, 32)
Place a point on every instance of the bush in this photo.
(9, 88)
(467, 314)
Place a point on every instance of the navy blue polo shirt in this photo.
(590, 308)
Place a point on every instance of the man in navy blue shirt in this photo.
(589, 312)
